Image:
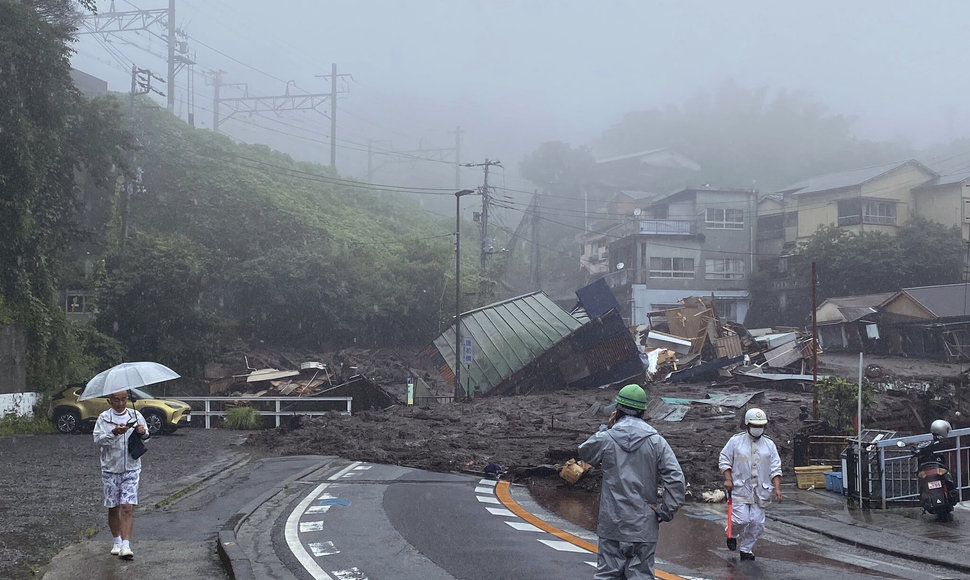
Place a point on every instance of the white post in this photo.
(277, 412)
(207, 418)
(859, 426)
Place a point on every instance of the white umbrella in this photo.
(126, 376)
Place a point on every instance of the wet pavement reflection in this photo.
(695, 539)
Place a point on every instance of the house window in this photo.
(727, 310)
(858, 211)
(879, 212)
(791, 219)
(724, 219)
(728, 269)
(671, 267)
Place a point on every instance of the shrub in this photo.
(243, 418)
(11, 424)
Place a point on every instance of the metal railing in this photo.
(896, 476)
(218, 406)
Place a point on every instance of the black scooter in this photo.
(937, 491)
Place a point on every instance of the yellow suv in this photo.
(68, 415)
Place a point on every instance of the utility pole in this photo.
(815, 347)
(141, 84)
(333, 110)
(486, 197)
(536, 255)
(457, 133)
(171, 55)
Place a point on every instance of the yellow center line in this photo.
(502, 492)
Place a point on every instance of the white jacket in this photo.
(114, 448)
(753, 464)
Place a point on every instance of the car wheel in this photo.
(155, 420)
(66, 420)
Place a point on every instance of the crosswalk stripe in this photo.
(487, 499)
(524, 527)
(323, 549)
(563, 546)
(311, 526)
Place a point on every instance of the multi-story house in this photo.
(878, 198)
(694, 242)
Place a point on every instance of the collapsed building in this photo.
(530, 344)
(925, 321)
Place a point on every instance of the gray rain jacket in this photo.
(635, 460)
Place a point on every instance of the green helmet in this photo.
(633, 397)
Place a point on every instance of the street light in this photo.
(458, 196)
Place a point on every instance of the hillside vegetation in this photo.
(231, 241)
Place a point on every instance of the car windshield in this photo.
(140, 394)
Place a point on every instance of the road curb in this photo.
(857, 540)
(233, 557)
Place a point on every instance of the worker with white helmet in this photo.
(636, 460)
(752, 473)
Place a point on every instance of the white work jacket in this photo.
(114, 448)
(753, 464)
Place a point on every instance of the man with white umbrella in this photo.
(120, 472)
(120, 433)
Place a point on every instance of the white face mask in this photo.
(756, 431)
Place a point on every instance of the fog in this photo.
(515, 74)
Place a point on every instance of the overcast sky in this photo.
(514, 74)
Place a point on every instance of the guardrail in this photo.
(897, 467)
(217, 406)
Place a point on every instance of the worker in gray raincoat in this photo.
(636, 460)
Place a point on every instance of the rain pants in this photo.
(753, 464)
(635, 460)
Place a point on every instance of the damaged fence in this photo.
(276, 407)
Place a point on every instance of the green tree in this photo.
(922, 253)
(150, 298)
(45, 129)
(839, 400)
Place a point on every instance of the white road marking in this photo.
(323, 549)
(318, 509)
(487, 499)
(351, 574)
(484, 490)
(500, 512)
(362, 467)
(564, 546)
(525, 527)
(292, 529)
(488, 482)
(311, 526)
(593, 564)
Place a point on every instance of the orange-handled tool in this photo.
(732, 542)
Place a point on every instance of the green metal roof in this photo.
(507, 336)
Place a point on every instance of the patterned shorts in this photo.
(120, 488)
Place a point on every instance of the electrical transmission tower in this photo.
(333, 76)
(159, 22)
(275, 104)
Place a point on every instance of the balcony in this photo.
(666, 227)
(854, 220)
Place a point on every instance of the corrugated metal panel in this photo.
(507, 335)
(729, 346)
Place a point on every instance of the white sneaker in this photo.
(115, 549)
(126, 554)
